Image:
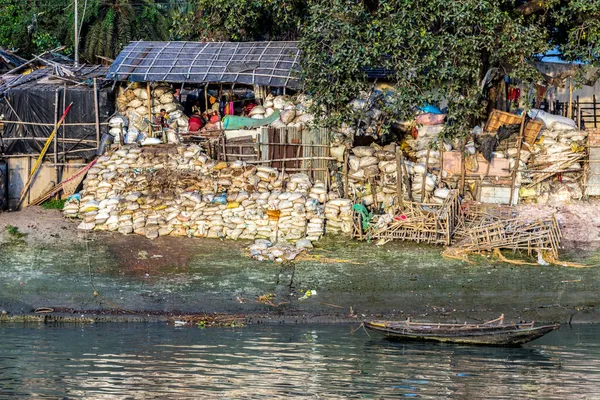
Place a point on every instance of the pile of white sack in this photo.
(373, 177)
(178, 191)
(338, 216)
(293, 110)
(133, 105)
(263, 250)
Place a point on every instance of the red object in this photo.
(514, 94)
(214, 119)
(414, 132)
(195, 123)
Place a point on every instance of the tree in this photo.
(115, 23)
(33, 27)
(246, 20)
(439, 50)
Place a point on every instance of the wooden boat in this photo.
(491, 333)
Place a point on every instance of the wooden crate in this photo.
(498, 118)
(532, 130)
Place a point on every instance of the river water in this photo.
(145, 361)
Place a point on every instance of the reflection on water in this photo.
(120, 361)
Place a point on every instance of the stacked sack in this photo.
(133, 104)
(263, 250)
(179, 191)
(293, 111)
(373, 177)
(338, 214)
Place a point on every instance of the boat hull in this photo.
(511, 335)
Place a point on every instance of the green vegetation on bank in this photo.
(454, 50)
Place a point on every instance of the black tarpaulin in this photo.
(34, 102)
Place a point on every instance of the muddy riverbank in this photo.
(104, 277)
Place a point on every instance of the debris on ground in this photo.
(265, 250)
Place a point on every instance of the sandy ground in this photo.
(579, 222)
(41, 226)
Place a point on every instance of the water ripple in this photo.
(316, 362)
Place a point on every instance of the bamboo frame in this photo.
(421, 222)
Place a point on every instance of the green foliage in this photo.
(54, 204)
(117, 22)
(440, 51)
(244, 20)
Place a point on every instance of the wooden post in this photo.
(345, 171)
(399, 178)
(594, 105)
(64, 128)
(578, 114)
(405, 174)
(149, 103)
(97, 112)
(518, 159)
(373, 193)
(55, 138)
(570, 109)
(425, 177)
(441, 151)
(206, 99)
(463, 169)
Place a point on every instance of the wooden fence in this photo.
(586, 113)
(288, 149)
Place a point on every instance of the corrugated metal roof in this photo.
(261, 63)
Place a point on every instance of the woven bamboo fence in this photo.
(418, 222)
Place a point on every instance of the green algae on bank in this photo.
(353, 280)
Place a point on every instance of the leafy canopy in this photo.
(439, 50)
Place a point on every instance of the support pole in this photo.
(517, 160)
(346, 172)
(55, 138)
(76, 31)
(206, 99)
(149, 102)
(570, 109)
(97, 112)
(399, 178)
(595, 112)
(425, 177)
(64, 128)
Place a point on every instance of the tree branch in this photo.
(532, 7)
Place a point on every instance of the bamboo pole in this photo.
(345, 171)
(41, 157)
(149, 105)
(425, 177)
(64, 128)
(399, 179)
(594, 111)
(570, 109)
(55, 138)
(463, 169)
(51, 124)
(405, 173)
(517, 160)
(97, 113)
(206, 98)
